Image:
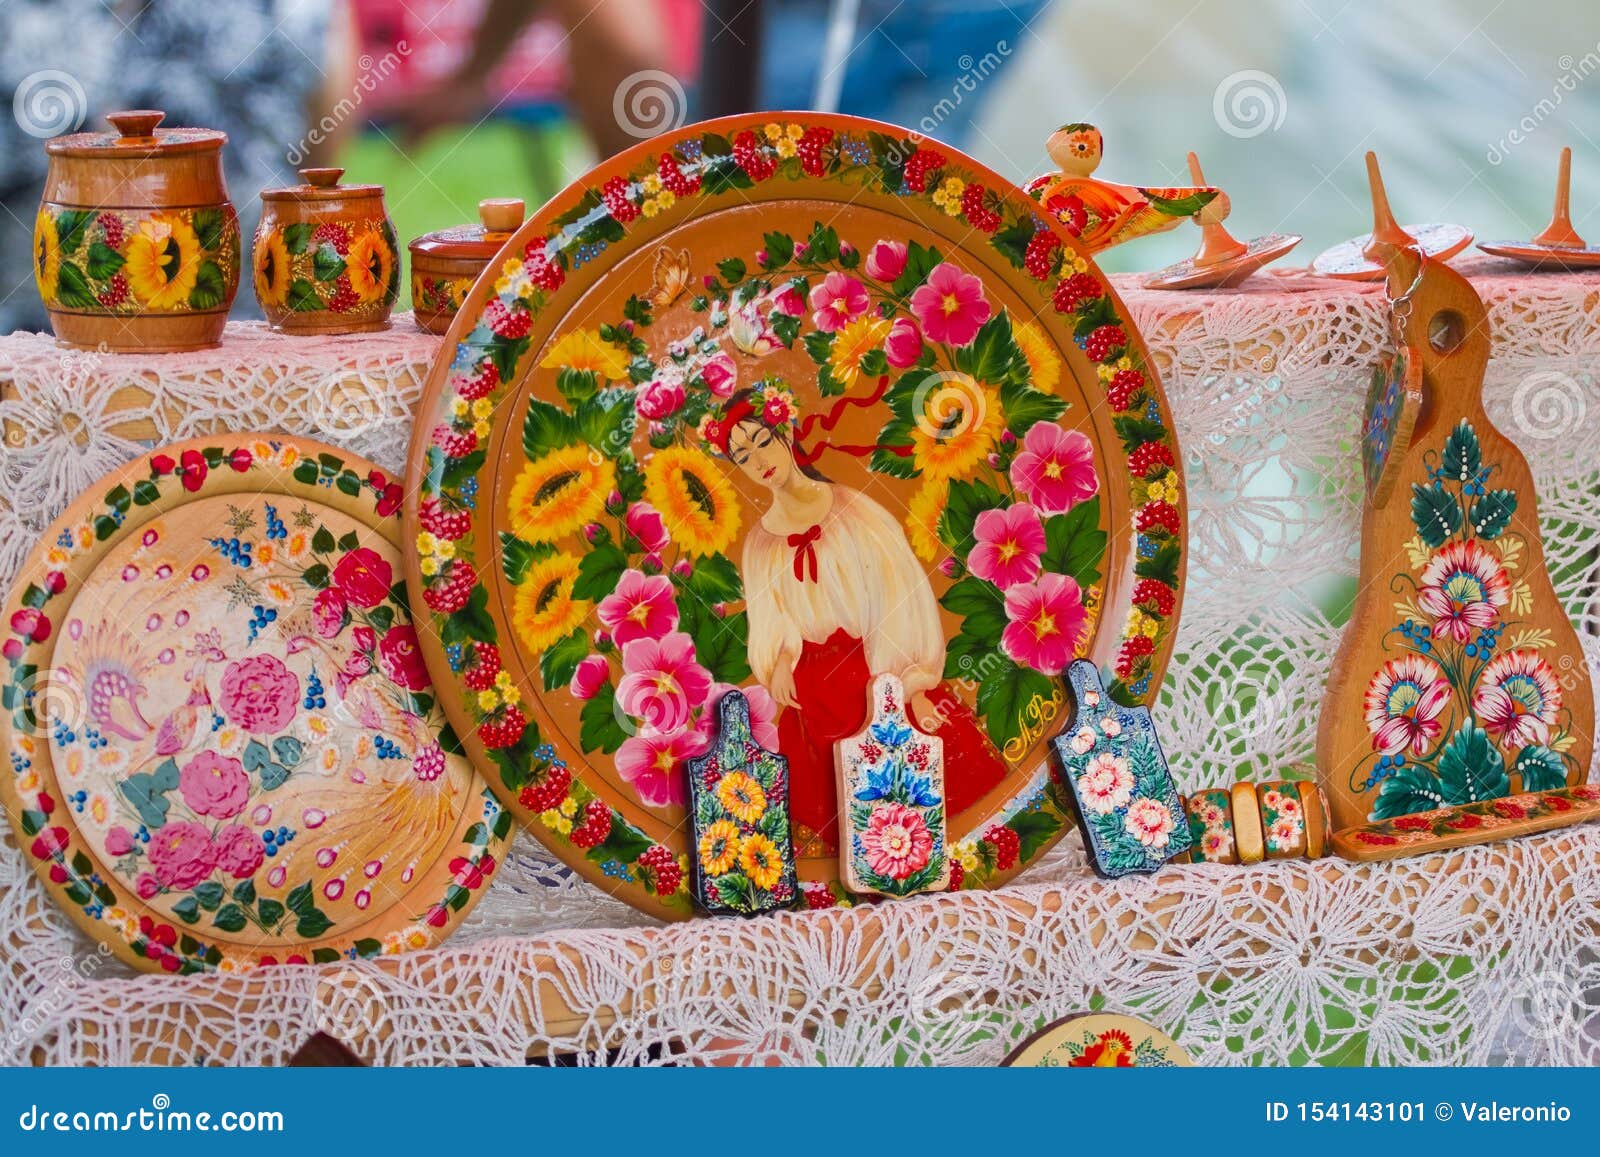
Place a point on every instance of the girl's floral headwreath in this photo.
(768, 401)
(772, 403)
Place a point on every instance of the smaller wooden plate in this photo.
(1545, 256)
(224, 746)
(1186, 274)
(1348, 259)
(1099, 1040)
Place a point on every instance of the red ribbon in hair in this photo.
(805, 552)
(831, 419)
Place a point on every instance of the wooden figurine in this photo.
(136, 246)
(1559, 246)
(1099, 213)
(1128, 807)
(1222, 260)
(1353, 260)
(1459, 707)
(742, 849)
(892, 838)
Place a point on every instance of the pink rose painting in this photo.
(644, 522)
(401, 657)
(1046, 618)
(838, 300)
(658, 399)
(897, 841)
(642, 607)
(950, 305)
(591, 672)
(259, 693)
(239, 851)
(330, 611)
(181, 855)
(363, 576)
(661, 681)
(885, 261)
(214, 785)
(1010, 543)
(1055, 470)
(652, 765)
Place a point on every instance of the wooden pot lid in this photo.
(587, 509)
(224, 745)
(1099, 1040)
(321, 185)
(136, 134)
(498, 219)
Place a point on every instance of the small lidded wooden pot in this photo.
(445, 264)
(326, 258)
(136, 245)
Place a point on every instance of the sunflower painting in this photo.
(163, 261)
(131, 261)
(271, 264)
(560, 493)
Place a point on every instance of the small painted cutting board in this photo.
(739, 811)
(1459, 708)
(891, 793)
(1132, 817)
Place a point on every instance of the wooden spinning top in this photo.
(1559, 245)
(1352, 260)
(1223, 260)
(1100, 213)
(1459, 708)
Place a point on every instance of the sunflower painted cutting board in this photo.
(785, 405)
(1459, 708)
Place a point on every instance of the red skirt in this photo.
(830, 690)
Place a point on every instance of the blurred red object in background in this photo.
(430, 38)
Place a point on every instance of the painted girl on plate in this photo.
(835, 597)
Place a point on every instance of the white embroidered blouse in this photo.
(867, 583)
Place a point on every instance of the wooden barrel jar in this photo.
(326, 258)
(136, 245)
(445, 264)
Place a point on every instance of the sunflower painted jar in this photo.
(326, 259)
(136, 245)
(445, 264)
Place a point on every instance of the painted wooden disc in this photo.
(1259, 251)
(1100, 1040)
(785, 405)
(1348, 258)
(224, 746)
(1545, 256)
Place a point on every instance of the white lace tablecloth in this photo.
(1485, 954)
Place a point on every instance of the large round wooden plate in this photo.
(783, 403)
(1098, 1041)
(223, 742)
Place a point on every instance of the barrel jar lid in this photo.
(137, 135)
(321, 185)
(498, 219)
